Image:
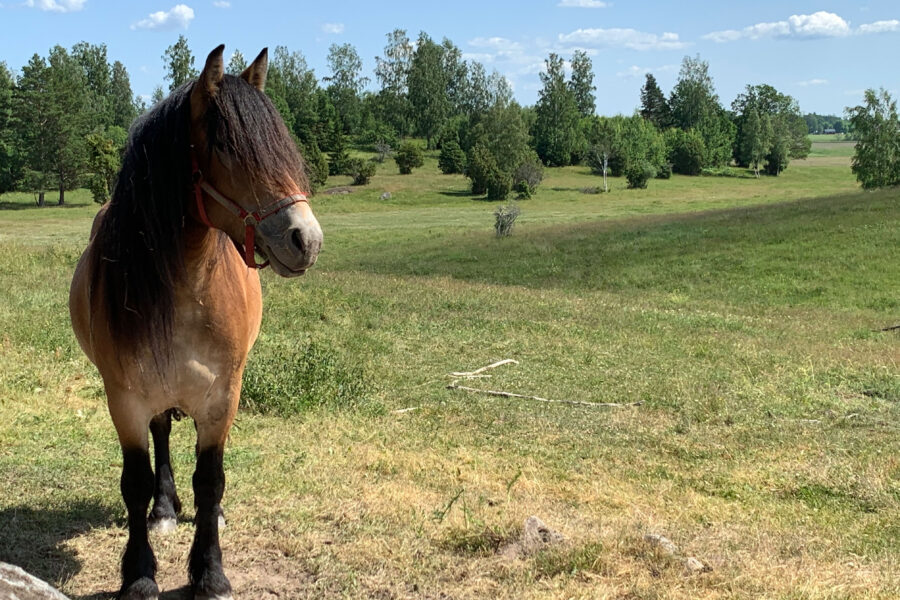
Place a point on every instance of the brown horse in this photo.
(166, 299)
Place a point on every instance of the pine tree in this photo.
(654, 107)
(121, 99)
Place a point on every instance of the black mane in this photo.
(139, 245)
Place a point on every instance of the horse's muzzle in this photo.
(290, 240)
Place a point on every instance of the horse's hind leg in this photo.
(138, 562)
(166, 504)
(205, 568)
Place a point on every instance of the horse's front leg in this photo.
(207, 576)
(166, 505)
(138, 562)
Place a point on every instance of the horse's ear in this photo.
(256, 73)
(211, 77)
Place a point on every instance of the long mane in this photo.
(138, 259)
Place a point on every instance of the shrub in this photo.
(639, 173)
(504, 218)
(362, 170)
(339, 159)
(452, 158)
(664, 171)
(499, 184)
(479, 167)
(383, 150)
(528, 176)
(408, 157)
(286, 380)
(316, 165)
(687, 151)
(778, 157)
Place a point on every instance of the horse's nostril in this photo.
(297, 239)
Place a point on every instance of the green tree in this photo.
(428, 89)
(157, 96)
(10, 151)
(392, 72)
(693, 100)
(556, 130)
(755, 138)
(789, 128)
(236, 64)
(53, 118)
(104, 161)
(654, 106)
(294, 85)
(179, 63)
(876, 160)
(581, 83)
(345, 84)
(98, 82)
(122, 106)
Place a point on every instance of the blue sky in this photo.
(824, 53)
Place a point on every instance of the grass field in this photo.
(745, 315)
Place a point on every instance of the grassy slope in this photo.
(740, 312)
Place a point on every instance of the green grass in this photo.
(743, 314)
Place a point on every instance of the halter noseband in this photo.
(250, 219)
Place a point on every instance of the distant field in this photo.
(745, 315)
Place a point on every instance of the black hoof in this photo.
(142, 589)
(212, 586)
(161, 520)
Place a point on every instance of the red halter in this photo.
(250, 219)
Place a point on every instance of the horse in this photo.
(166, 299)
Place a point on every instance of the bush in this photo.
(316, 165)
(504, 218)
(687, 151)
(479, 167)
(382, 151)
(528, 176)
(408, 157)
(286, 380)
(452, 158)
(778, 157)
(339, 159)
(664, 171)
(639, 173)
(499, 184)
(362, 170)
(378, 132)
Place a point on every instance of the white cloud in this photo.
(222, 4)
(820, 24)
(179, 17)
(810, 82)
(583, 4)
(880, 26)
(333, 28)
(624, 38)
(62, 6)
(497, 43)
(635, 71)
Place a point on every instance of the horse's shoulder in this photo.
(98, 218)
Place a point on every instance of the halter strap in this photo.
(250, 219)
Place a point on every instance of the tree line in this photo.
(64, 118)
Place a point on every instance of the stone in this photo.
(694, 565)
(536, 536)
(16, 584)
(665, 545)
(386, 196)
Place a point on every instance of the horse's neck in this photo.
(203, 258)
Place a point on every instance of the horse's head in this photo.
(249, 178)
